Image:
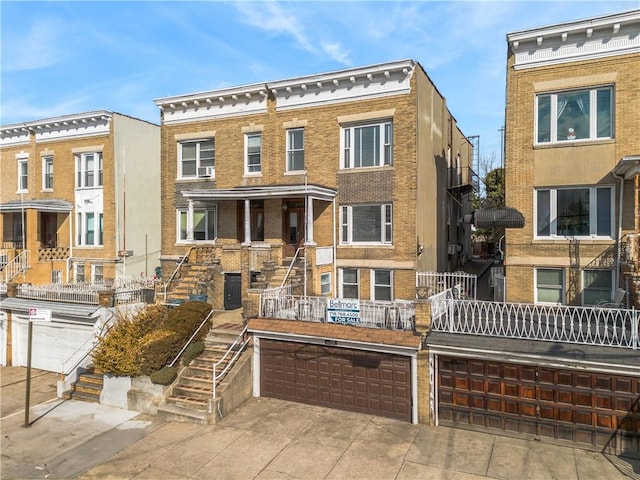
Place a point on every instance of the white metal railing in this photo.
(286, 276)
(69, 292)
(237, 347)
(396, 315)
(612, 327)
(202, 324)
(436, 282)
(16, 266)
(182, 261)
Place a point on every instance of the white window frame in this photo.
(563, 286)
(584, 287)
(374, 284)
(77, 268)
(348, 159)
(56, 276)
(211, 169)
(593, 115)
(82, 171)
(342, 283)
(291, 150)
(386, 227)
(247, 170)
(593, 211)
(82, 229)
(23, 175)
(47, 172)
(325, 283)
(97, 273)
(189, 226)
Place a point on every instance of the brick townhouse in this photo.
(362, 173)
(573, 161)
(79, 198)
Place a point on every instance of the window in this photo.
(367, 145)
(89, 229)
(97, 274)
(350, 283)
(204, 225)
(381, 285)
(253, 153)
(325, 283)
(89, 170)
(79, 273)
(197, 158)
(295, 149)
(56, 276)
(47, 172)
(549, 285)
(366, 224)
(574, 212)
(597, 285)
(23, 175)
(574, 115)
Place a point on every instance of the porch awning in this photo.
(262, 192)
(78, 312)
(61, 206)
(627, 167)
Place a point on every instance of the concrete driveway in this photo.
(272, 439)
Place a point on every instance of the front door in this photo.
(49, 230)
(293, 226)
(232, 291)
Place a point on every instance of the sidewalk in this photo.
(269, 439)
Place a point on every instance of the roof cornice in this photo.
(579, 40)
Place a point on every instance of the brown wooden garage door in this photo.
(597, 409)
(355, 380)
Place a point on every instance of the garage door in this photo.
(597, 409)
(355, 380)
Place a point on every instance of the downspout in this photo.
(619, 232)
(71, 215)
(335, 268)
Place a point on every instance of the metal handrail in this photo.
(16, 266)
(191, 338)
(217, 377)
(178, 267)
(291, 266)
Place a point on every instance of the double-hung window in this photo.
(597, 285)
(574, 212)
(253, 153)
(90, 229)
(79, 275)
(325, 283)
(349, 283)
(203, 225)
(23, 175)
(574, 115)
(89, 170)
(381, 285)
(549, 285)
(97, 274)
(368, 145)
(295, 149)
(47, 172)
(197, 158)
(367, 224)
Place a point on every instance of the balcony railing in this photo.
(396, 315)
(612, 327)
(463, 177)
(435, 282)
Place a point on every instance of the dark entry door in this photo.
(232, 291)
(293, 227)
(48, 229)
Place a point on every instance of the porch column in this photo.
(309, 233)
(190, 222)
(247, 223)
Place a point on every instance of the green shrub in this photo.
(192, 351)
(157, 348)
(185, 318)
(164, 376)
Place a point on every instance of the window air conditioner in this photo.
(206, 171)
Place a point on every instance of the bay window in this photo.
(574, 212)
(367, 145)
(372, 224)
(89, 229)
(574, 115)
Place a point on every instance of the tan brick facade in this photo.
(532, 165)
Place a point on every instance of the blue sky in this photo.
(61, 58)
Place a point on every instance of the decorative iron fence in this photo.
(611, 327)
(436, 282)
(396, 315)
(126, 291)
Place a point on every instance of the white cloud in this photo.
(34, 47)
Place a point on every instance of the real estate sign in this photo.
(343, 310)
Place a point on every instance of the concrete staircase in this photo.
(277, 273)
(191, 399)
(194, 275)
(88, 387)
